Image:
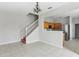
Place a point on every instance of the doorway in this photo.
(76, 31)
(67, 32)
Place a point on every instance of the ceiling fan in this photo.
(36, 9)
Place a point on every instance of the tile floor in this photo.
(37, 49)
(72, 45)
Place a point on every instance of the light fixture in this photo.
(37, 9)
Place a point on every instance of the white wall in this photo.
(12, 26)
(72, 28)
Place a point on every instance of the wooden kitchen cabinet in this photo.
(54, 26)
(46, 25)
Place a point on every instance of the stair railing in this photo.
(30, 28)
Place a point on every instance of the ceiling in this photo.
(26, 7)
(19, 7)
(59, 9)
(45, 5)
(67, 9)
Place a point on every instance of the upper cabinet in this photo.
(52, 26)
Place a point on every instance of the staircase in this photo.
(29, 29)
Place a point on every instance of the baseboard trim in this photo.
(46, 42)
(51, 44)
(9, 42)
(33, 41)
